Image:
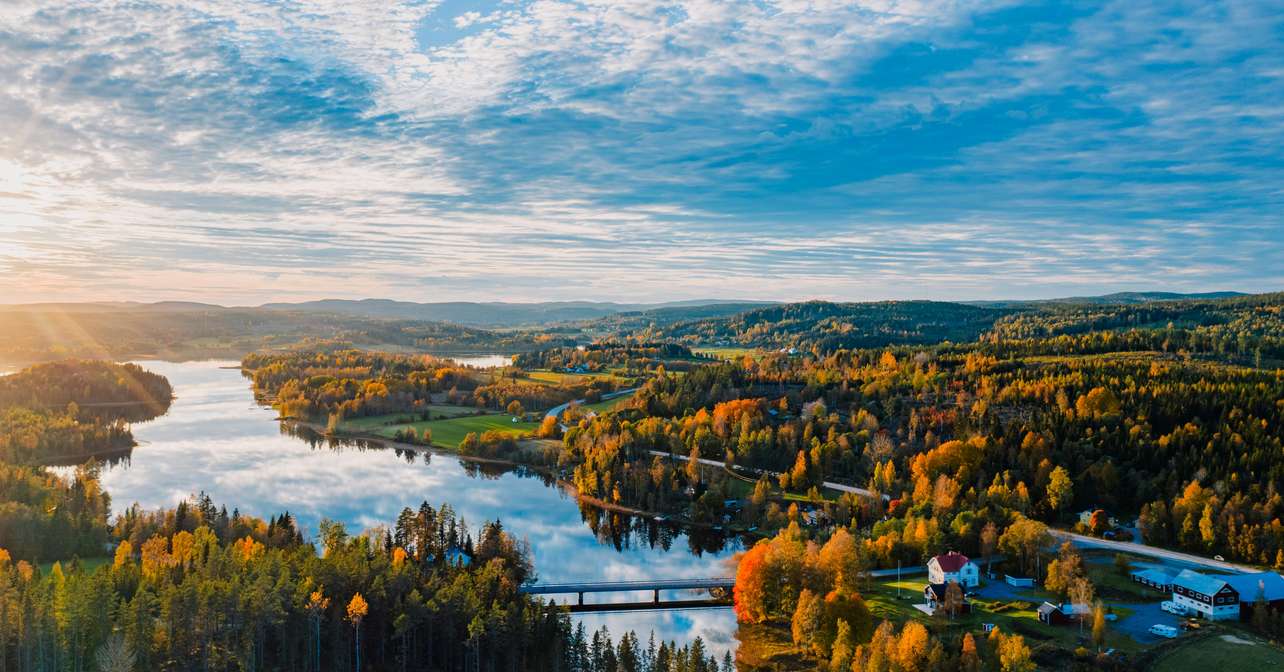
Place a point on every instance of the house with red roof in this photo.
(953, 566)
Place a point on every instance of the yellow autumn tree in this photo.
(124, 555)
(357, 610)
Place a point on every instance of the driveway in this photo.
(1136, 625)
(1144, 615)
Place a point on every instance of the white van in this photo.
(1164, 631)
(1173, 608)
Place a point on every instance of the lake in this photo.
(482, 361)
(216, 439)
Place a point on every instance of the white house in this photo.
(953, 566)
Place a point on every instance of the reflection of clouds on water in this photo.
(217, 440)
(717, 627)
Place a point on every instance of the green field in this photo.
(448, 433)
(609, 404)
(437, 411)
(560, 377)
(88, 565)
(1224, 653)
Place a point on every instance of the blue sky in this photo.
(242, 152)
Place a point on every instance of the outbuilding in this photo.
(1051, 614)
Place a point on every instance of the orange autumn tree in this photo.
(750, 588)
(774, 573)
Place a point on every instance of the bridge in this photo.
(719, 589)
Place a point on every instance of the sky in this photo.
(249, 151)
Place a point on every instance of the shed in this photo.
(1052, 614)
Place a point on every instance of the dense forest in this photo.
(822, 326)
(196, 589)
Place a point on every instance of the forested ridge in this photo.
(824, 326)
(39, 333)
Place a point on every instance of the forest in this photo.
(1170, 414)
(331, 386)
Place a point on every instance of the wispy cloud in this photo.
(247, 151)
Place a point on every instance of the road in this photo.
(1151, 552)
(557, 411)
(828, 484)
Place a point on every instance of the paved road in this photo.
(1083, 541)
(557, 411)
(828, 484)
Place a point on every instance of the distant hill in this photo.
(40, 332)
(494, 314)
(1118, 298)
(825, 326)
(1257, 315)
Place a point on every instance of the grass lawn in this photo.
(1111, 585)
(448, 433)
(769, 646)
(559, 377)
(1014, 616)
(1224, 653)
(436, 412)
(88, 565)
(609, 404)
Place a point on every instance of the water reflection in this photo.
(216, 439)
(482, 361)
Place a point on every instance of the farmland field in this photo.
(1225, 653)
(448, 433)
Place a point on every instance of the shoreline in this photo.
(565, 485)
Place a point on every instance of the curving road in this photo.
(828, 484)
(557, 411)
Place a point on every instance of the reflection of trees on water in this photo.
(318, 441)
(619, 530)
(623, 531)
(109, 459)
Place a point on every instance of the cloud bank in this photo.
(629, 149)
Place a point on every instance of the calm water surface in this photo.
(482, 361)
(216, 439)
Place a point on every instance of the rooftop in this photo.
(1270, 584)
(951, 562)
(1200, 583)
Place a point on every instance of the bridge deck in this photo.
(625, 586)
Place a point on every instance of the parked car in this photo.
(1173, 608)
(1164, 631)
